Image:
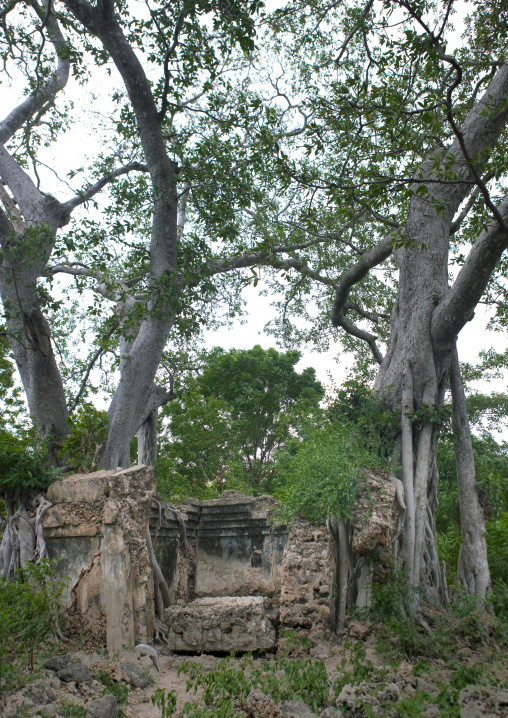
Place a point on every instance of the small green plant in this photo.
(113, 687)
(165, 701)
(357, 669)
(230, 685)
(29, 607)
(70, 709)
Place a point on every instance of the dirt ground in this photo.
(394, 689)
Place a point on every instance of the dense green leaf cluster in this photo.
(29, 607)
(88, 431)
(23, 464)
(232, 417)
(319, 477)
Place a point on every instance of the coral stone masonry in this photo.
(97, 526)
(237, 581)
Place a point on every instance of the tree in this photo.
(371, 144)
(242, 407)
(400, 166)
(31, 218)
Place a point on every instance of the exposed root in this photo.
(40, 547)
(23, 539)
(162, 596)
(161, 631)
(147, 650)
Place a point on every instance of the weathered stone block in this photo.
(80, 487)
(221, 625)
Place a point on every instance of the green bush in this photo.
(229, 686)
(28, 616)
(319, 477)
(23, 464)
(88, 434)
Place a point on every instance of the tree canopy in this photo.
(353, 155)
(233, 416)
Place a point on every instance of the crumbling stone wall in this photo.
(306, 599)
(236, 579)
(97, 526)
(231, 547)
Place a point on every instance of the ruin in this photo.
(237, 579)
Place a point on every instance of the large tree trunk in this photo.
(426, 320)
(411, 378)
(29, 333)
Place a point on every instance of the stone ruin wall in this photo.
(237, 580)
(97, 526)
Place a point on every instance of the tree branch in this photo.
(45, 93)
(353, 32)
(90, 366)
(92, 190)
(457, 306)
(455, 225)
(369, 259)
(167, 56)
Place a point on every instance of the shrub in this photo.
(23, 464)
(319, 477)
(28, 616)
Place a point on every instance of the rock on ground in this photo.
(224, 624)
(297, 709)
(483, 702)
(105, 707)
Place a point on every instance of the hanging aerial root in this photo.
(162, 596)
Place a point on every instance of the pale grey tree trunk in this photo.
(139, 363)
(473, 568)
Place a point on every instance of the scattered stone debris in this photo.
(105, 707)
(483, 702)
(136, 676)
(259, 705)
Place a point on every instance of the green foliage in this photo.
(230, 684)
(319, 477)
(355, 668)
(88, 434)
(166, 702)
(29, 607)
(23, 464)
(233, 416)
(466, 621)
(71, 709)
(376, 425)
(113, 687)
(392, 597)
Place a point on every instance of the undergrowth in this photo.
(29, 607)
(226, 689)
